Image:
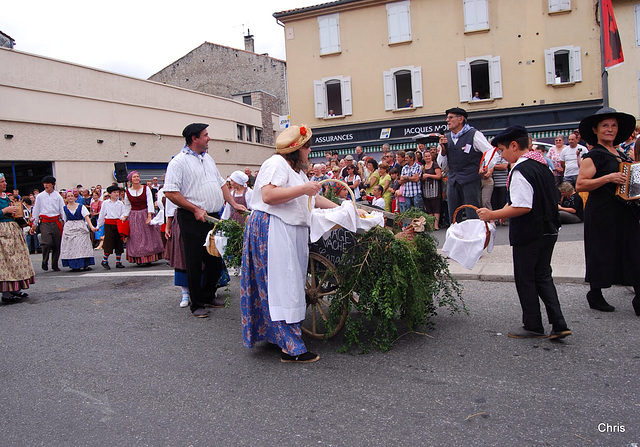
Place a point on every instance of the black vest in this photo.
(463, 166)
(543, 219)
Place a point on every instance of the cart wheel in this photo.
(321, 288)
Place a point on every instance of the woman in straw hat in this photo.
(276, 247)
(611, 229)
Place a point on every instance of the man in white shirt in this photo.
(195, 185)
(48, 212)
(570, 159)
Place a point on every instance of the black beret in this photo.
(510, 134)
(194, 129)
(457, 111)
(113, 188)
(49, 179)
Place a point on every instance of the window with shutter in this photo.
(563, 65)
(329, 28)
(402, 88)
(636, 13)
(479, 78)
(476, 15)
(559, 5)
(399, 21)
(332, 96)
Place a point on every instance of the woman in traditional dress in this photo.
(16, 271)
(144, 244)
(76, 250)
(611, 228)
(276, 246)
(241, 194)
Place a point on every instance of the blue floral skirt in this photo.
(256, 321)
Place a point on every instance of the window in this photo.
(329, 26)
(559, 5)
(249, 133)
(258, 135)
(476, 15)
(563, 65)
(481, 76)
(240, 132)
(636, 13)
(402, 87)
(332, 96)
(399, 21)
(246, 99)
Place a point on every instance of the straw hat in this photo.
(626, 125)
(293, 138)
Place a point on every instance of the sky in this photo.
(141, 37)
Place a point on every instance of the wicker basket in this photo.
(488, 233)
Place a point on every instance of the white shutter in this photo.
(346, 95)
(329, 29)
(559, 5)
(389, 90)
(476, 15)
(319, 98)
(549, 67)
(323, 26)
(565, 5)
(399, 21)
(575, 64)
(334, 33)
(636, 12)
(464, 81)
(416, 86)
(495, 75)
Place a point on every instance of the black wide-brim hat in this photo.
(626, 125)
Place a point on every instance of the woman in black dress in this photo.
(611, 228)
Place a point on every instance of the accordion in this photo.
(630, 190)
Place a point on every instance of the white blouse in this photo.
(127, 203)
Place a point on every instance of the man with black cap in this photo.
(195, 185)
(533, 232)
(48, 212)
(463, 147)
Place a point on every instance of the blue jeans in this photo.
(32, 243)
(415, 201)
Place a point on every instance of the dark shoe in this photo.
(119, 265)
(557, 335)
(307, 357)
(201, 313)
(86, 269)
(216, 303)
(105, 265)
(636, 305)
(19, 294)
(45, 267)
(597, 302)
(523, 333)
(55, 269)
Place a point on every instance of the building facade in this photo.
(254, 79)
(75, 122)
(373, 71)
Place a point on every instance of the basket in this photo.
(475, 208)
(335, 180)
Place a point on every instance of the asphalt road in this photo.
(108, 358)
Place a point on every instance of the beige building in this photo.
(372, 71)
(76, 122)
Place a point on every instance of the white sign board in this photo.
(285, 121)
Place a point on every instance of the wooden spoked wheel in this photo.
(320, 290)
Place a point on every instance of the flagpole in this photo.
(605, 73)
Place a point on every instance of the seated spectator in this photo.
(378, 200)
(571, 207)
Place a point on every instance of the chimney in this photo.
(248, 42)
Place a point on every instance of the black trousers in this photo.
(50, 242)
(532, 273)
(203, 270)
(467, 194)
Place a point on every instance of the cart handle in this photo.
(335, 180)
(475, 208)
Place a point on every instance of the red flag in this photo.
(612, 45)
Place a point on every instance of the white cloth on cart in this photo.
(345, 215)
(465, 241)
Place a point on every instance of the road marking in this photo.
(110, 274)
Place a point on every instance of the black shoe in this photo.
(597, 302)
(45, 267)
(201, 313)
(216, 303)
(557, 335)
(86, 269)
(119, 265)
(55, 269)
(524, 333)
(636, 305)
(307, 357)
(105, 265)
